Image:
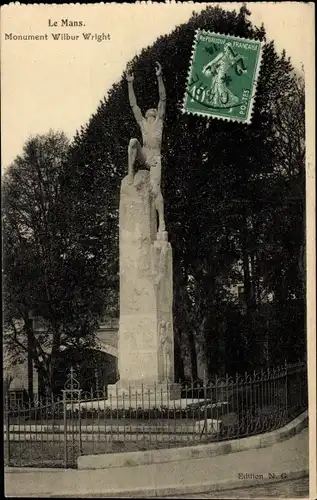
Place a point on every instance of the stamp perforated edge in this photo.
(248, 119)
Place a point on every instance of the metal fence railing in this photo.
(55, 432)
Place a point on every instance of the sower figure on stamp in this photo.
(149, 154)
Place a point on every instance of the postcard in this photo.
(158, 239)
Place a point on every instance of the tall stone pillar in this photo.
(146, 341)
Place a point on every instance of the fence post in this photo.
(299, 377)
(71, 390)
(65, 426)
(79, 422)
(205, 405)
(286, 389)
(7, 421)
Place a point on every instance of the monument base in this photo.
(153, 393)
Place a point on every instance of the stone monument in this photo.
(146, 341)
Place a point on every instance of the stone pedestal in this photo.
(146, 341)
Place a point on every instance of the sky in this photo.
(59, 84)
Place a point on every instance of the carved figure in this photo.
(149, 154)
(166, 349)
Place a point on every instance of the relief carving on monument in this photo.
(165, 352)
(135, 214)
(136, 300)
(160, 259)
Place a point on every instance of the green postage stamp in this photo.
(222, 76)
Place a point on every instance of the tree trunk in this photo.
(30, 369)
(178, 361)
(179, 282)
(54, 356)
(248, 292)
(193, 354)
(302, 268)
(255, 280)
(30, 356)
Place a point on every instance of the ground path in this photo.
(284, 489)
(287, 459)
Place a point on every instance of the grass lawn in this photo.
(51, 454)
(102, 422)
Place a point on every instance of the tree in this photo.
(221, 185)
(48, 271)
(287, 274)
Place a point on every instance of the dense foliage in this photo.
(49, 270)
(234, 200)
(234, 207)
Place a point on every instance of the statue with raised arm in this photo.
(149, 154)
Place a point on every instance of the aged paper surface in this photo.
(58, 63)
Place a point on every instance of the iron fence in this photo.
(55, 432)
